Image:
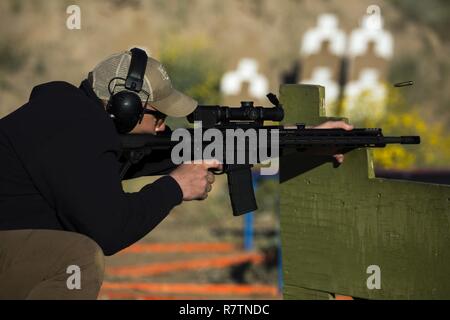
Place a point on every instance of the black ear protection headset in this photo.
(125, 107)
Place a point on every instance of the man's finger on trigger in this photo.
(210, 177)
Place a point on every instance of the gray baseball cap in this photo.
(163, 96)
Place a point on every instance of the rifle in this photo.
(298, 138)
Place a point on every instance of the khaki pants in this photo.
(42, 264)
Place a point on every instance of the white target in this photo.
(247, 71)
(326, 30)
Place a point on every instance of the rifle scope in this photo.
(214, 114)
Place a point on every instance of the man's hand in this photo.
(336, 125)
(195, 180)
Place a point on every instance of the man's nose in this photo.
(162, 127)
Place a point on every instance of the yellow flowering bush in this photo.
(194, 67)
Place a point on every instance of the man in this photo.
(62, 205)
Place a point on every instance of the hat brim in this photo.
(176, 104)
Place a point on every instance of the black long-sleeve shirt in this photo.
(59, 169)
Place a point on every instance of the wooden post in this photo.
(336, 222)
